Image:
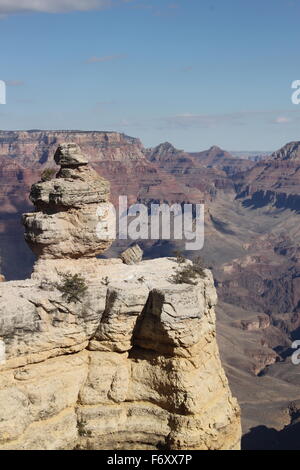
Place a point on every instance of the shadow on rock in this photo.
(263, 438)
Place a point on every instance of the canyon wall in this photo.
(274, 181)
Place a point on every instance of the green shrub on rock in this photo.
(188, 273)
(72, 286)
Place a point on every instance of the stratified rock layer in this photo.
(67, 221)
(274, 181)
(132, 364)
(135, 365)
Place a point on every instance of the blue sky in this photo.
(194, 72)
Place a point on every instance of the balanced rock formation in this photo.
(132, 363)
(67, 221)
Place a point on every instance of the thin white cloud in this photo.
(54, 6)
(282, 120)
(108, 58)
(190, 120)
(14, 82)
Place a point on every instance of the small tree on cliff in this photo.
(180, 258)
(188, 273)
(72, 286)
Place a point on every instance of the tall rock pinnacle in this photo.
(68, 207)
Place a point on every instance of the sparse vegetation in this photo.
(82, 431)
(180, 258)
(199, 266)
(72, 286)
(48, 174)
(188, 273)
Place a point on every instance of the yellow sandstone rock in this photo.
(134, 364)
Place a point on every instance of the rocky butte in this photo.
(131, 364)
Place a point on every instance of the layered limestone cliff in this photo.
(273, 181)
(131, 364)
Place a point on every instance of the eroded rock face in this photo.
(66, 223)
(132, 363)
(274, 181)
(69, 154)
(135, 365)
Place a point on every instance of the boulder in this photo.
(132, 255)
(69, 155)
